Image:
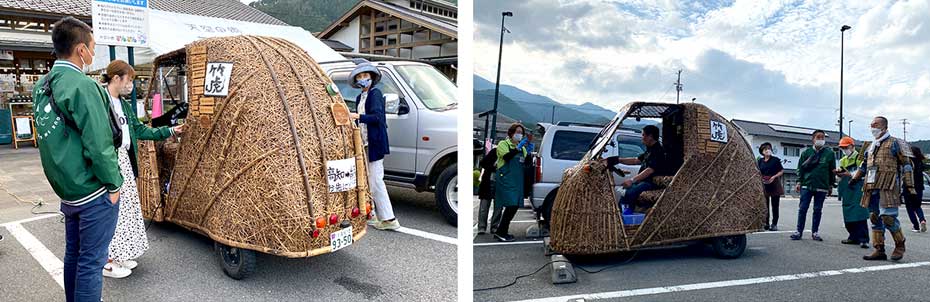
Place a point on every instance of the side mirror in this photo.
(403, 108)
(391, 103)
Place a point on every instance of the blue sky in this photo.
(773, 61)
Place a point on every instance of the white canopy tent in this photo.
(171, 31)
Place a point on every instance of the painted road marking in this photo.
(728, 283)
(30, 219)
(46, 259)
(428, 235)
(506, 243)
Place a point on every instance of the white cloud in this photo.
(775, 61)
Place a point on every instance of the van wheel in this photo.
(729, 247)
(237, 263)
(546, 209)
(447, 194)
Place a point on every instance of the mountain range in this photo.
(531, 108)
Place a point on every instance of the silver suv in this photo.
(421, 109)
(563, 145)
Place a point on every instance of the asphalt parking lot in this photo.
(773, 268)
(418, 263)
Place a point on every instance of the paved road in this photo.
(806, 270)
(181, 266)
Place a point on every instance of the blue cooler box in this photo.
(633, 219)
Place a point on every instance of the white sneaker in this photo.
(388, 225)
(374, 219)
(114, 270)
(130, 264)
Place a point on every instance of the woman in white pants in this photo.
(372, 122)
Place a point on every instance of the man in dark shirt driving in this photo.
(652, 163)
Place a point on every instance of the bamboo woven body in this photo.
(716, 192)
(250, 171)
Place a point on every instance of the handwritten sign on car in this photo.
(216, 82)
(340, 175)
(718, 132)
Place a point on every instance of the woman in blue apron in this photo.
(508, 194)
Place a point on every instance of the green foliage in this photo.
(312, 15)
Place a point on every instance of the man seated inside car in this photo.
(652, 163)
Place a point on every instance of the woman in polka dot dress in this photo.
(129, 240)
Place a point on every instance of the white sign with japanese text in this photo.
(340, 175)
(121, 22)
(718, 132)
(216, 82)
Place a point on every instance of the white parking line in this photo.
(33, 218)
(728, 283)
(506, 243)
(49, 262)
(428, 235)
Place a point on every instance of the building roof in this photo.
(784, 131)
(445, 27)
(336, 45)
(226, 9)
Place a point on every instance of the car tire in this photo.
(729, 247)
(237, 263)
(447, 194)
(545, 210)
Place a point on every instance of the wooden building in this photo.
(424, 30)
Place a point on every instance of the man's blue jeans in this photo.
(875, 209)
(632, 193)
(88, 231)
(806, 195)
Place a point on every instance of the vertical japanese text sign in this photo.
(216, 82)
(121, 22)
(718, 132)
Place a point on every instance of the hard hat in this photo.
(847, 141)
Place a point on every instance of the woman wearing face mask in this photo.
(129, 240)
(511, 153)
(771, 169)
(373, 125)
(854, 215)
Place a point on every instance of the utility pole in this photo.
(678, 88)
(904, 122)
(553, 114)
(843, 29)
(497, 84)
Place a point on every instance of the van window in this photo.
(387, 85)
(571, 145)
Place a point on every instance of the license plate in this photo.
(340, 239)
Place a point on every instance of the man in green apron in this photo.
(854, 215)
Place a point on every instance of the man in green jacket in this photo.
(816, 179)
(76, 146)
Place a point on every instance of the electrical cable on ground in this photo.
(517, 278)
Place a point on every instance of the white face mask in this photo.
(876, 133)
(85, 66)
(819, 143)
(847, 151)
(518, 137)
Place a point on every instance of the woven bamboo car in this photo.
(254, 170)
(714, 196)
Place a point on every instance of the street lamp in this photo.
(850, 128)
(497, 84)
(842, 38)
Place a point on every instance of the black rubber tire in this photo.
(448, 212)
(546, 208)
(729, 247)
(237, 263)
